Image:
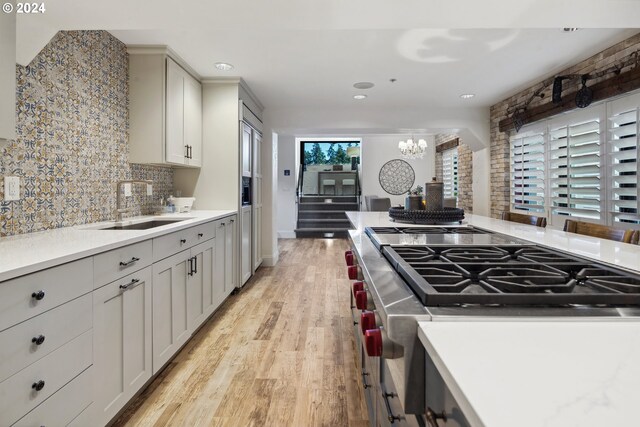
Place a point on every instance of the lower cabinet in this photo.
(230, 258)
(199, 284)
(122, 342)
(245, 256)
(170, 325)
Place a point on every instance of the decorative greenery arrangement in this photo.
(417, 191)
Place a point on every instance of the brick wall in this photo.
(465, 171)
(500, 140)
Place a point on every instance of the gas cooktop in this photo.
(509, 275)
(445, 236)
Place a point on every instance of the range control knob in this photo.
(352, 271)
(349, 259)
(367, 321)
(361, 300)
(357, 286)
(373, 342)
(347, 254)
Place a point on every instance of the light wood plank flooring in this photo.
(280, 353)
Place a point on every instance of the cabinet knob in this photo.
(38, 340)
(183, 241)
(37, 295)
(38, 385)
(433, 417)
(200, 234)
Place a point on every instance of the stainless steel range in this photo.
(405, 275)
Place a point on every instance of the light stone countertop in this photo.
(27, 253)
(539, 373)
(619, 254)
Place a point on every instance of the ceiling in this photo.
(299, 54)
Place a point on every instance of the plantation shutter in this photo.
(450, 172)
(527, 172)
(575, 166)
(623, 150)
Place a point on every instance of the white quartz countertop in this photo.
(26, 253)
(539, 373)
(620, 254)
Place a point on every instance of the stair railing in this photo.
(358, 190)
(299, 191)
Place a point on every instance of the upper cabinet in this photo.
(7, 76)
(165, 103)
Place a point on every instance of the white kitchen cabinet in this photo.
(199, 283)
(193, 119)
(245, 257)
(122, 342)
(169, 296)
(165, 110)
(247, 136)
(231, 258)
(7, 75)
(257, 202)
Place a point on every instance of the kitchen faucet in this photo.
(119, 211)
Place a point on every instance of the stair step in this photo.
(351, 199)
(314, 206)
(309, 214)
(323, 223)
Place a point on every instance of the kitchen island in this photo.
(615, 253)
(495, 366)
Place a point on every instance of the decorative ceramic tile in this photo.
(72, 137)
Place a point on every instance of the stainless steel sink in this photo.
(144, 225)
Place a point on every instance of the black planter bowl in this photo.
(444, 216)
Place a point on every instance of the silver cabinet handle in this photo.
(128, 263)
(130, 284)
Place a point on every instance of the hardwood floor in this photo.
(281, 353)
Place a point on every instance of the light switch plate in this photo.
(149, 189)
(127, 190)
(11, 188)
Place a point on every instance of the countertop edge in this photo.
(13, 273)
(457, 393)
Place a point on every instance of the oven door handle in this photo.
(433, 417)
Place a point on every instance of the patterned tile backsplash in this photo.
(72, 106)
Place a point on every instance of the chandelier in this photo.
(411, 149)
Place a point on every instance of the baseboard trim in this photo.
(286, 234)
(270, 261)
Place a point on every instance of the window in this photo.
(574, 166)
(582, 164)
(328, 152)
(527, 172)
(623, 155)
(450, 173)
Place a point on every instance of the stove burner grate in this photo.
(507, 275)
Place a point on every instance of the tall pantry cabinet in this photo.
(232, 135)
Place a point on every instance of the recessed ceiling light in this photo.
(359, 96)
(223, 66)
(569, 30)
(467, 95)
(363, 85)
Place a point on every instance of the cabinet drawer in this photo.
(171, 244)
(17, 393)
(203, 232)
(112, 265)
(18, 297)
(63, 406)
(56, 327)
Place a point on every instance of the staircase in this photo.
(324, 216)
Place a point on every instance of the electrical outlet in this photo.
(149, 189)
(127, 190)
(11, 188)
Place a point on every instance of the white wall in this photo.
(376, 151)
(286, 186)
